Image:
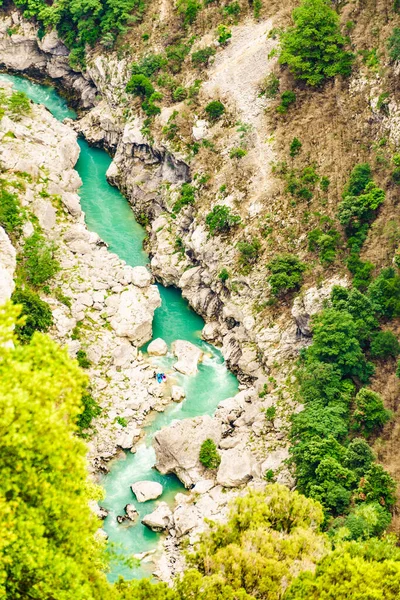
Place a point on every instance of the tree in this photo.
(215, 109)
(209, 455)
(221, 219)
(356, 571)
(335, 341)
(36, 313)
(369, 414)
(360, 307)
(48, 549)
(314, 48)
(286, 273)
(384, 344)
(39, 260)
(384, 291)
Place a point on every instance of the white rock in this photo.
(7, 266)
(210, 331)
(141, 277)
(128, 437)
(159, 519)
(203, 486)
(157, 348)
(199, 129)
(188, 356)
(133, 318)
(147, 490)
(185, 519)
(131, 512)
(177, 447)
(274, 460)
(237, 467)
(177, 393)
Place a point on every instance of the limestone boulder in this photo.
(177, 393)
(188, 356)
(177, 448)
(127, 438)
(147, 490)
(141, 277)
(157, 348)
(237, 467)
(131, 512)
(133, 317)
(159, 519)
(186, 518)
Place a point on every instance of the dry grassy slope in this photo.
(338, 125)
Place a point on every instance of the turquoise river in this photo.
(108, 213)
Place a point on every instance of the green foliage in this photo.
(270, 86)
(19, 105)
(356, 571)
(384, 344)
(215, 109)
(149, 65)
(266, 533)
(384, 291)
(396, 175)
(11, 214)
(91, 410)
(286, 273)
(335, 340)
(232, 9)
(248, 253)
(360, 307)
(359, 178)
(270, 413)
(179, 94)
(295, 147)
(394, 45)
(377, 486)
(314, 48)
(369, 413)
(287, 99)
(224, 34)
(83, 360)
(257, 6)
(325, 243)
(209, 455)
(188, 10)
(221, 219)
(356, 210)
(186, 197)
(36, 313)
(140, 85)
(237, 153)
(201, 57)
(39, 262)
(48, 547)
(223, 275)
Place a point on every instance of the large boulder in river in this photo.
(159, 519)
(237, 467)
(133, 317)
(178, 446)
(188, 356)
(157, 348)
(147, 490)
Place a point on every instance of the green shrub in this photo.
(176, 55)
(270, 86)
(377, 486)
(223, 275)
(37, 314)
(360, 307)
(179, 94)
(270, 413)
(215, 109)
(39, 262)
(149, 65)
(295, 147)
(11, 215)
(384, 292)
(82, 359)
(384, 344)
(209, 455)
(359, 456)
(287, 99)
(232, 9)
(189, 10)
(186, 197)
(286, 273)
(149, 106)
(369, 413)
(221, 219)
(398, 370)
(237, 153)
(257, 6)
(122, 421)
(361, 271)
(91, 410)
(325, 243)
(354, 211)
(248, 252)
(224, 34)
(314, 48)
(396, 175)
(324, 183)
(140, 85)
(394, 45)
(201, 57)
(359, 178)
(19, 105)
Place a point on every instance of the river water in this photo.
(108, 213)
